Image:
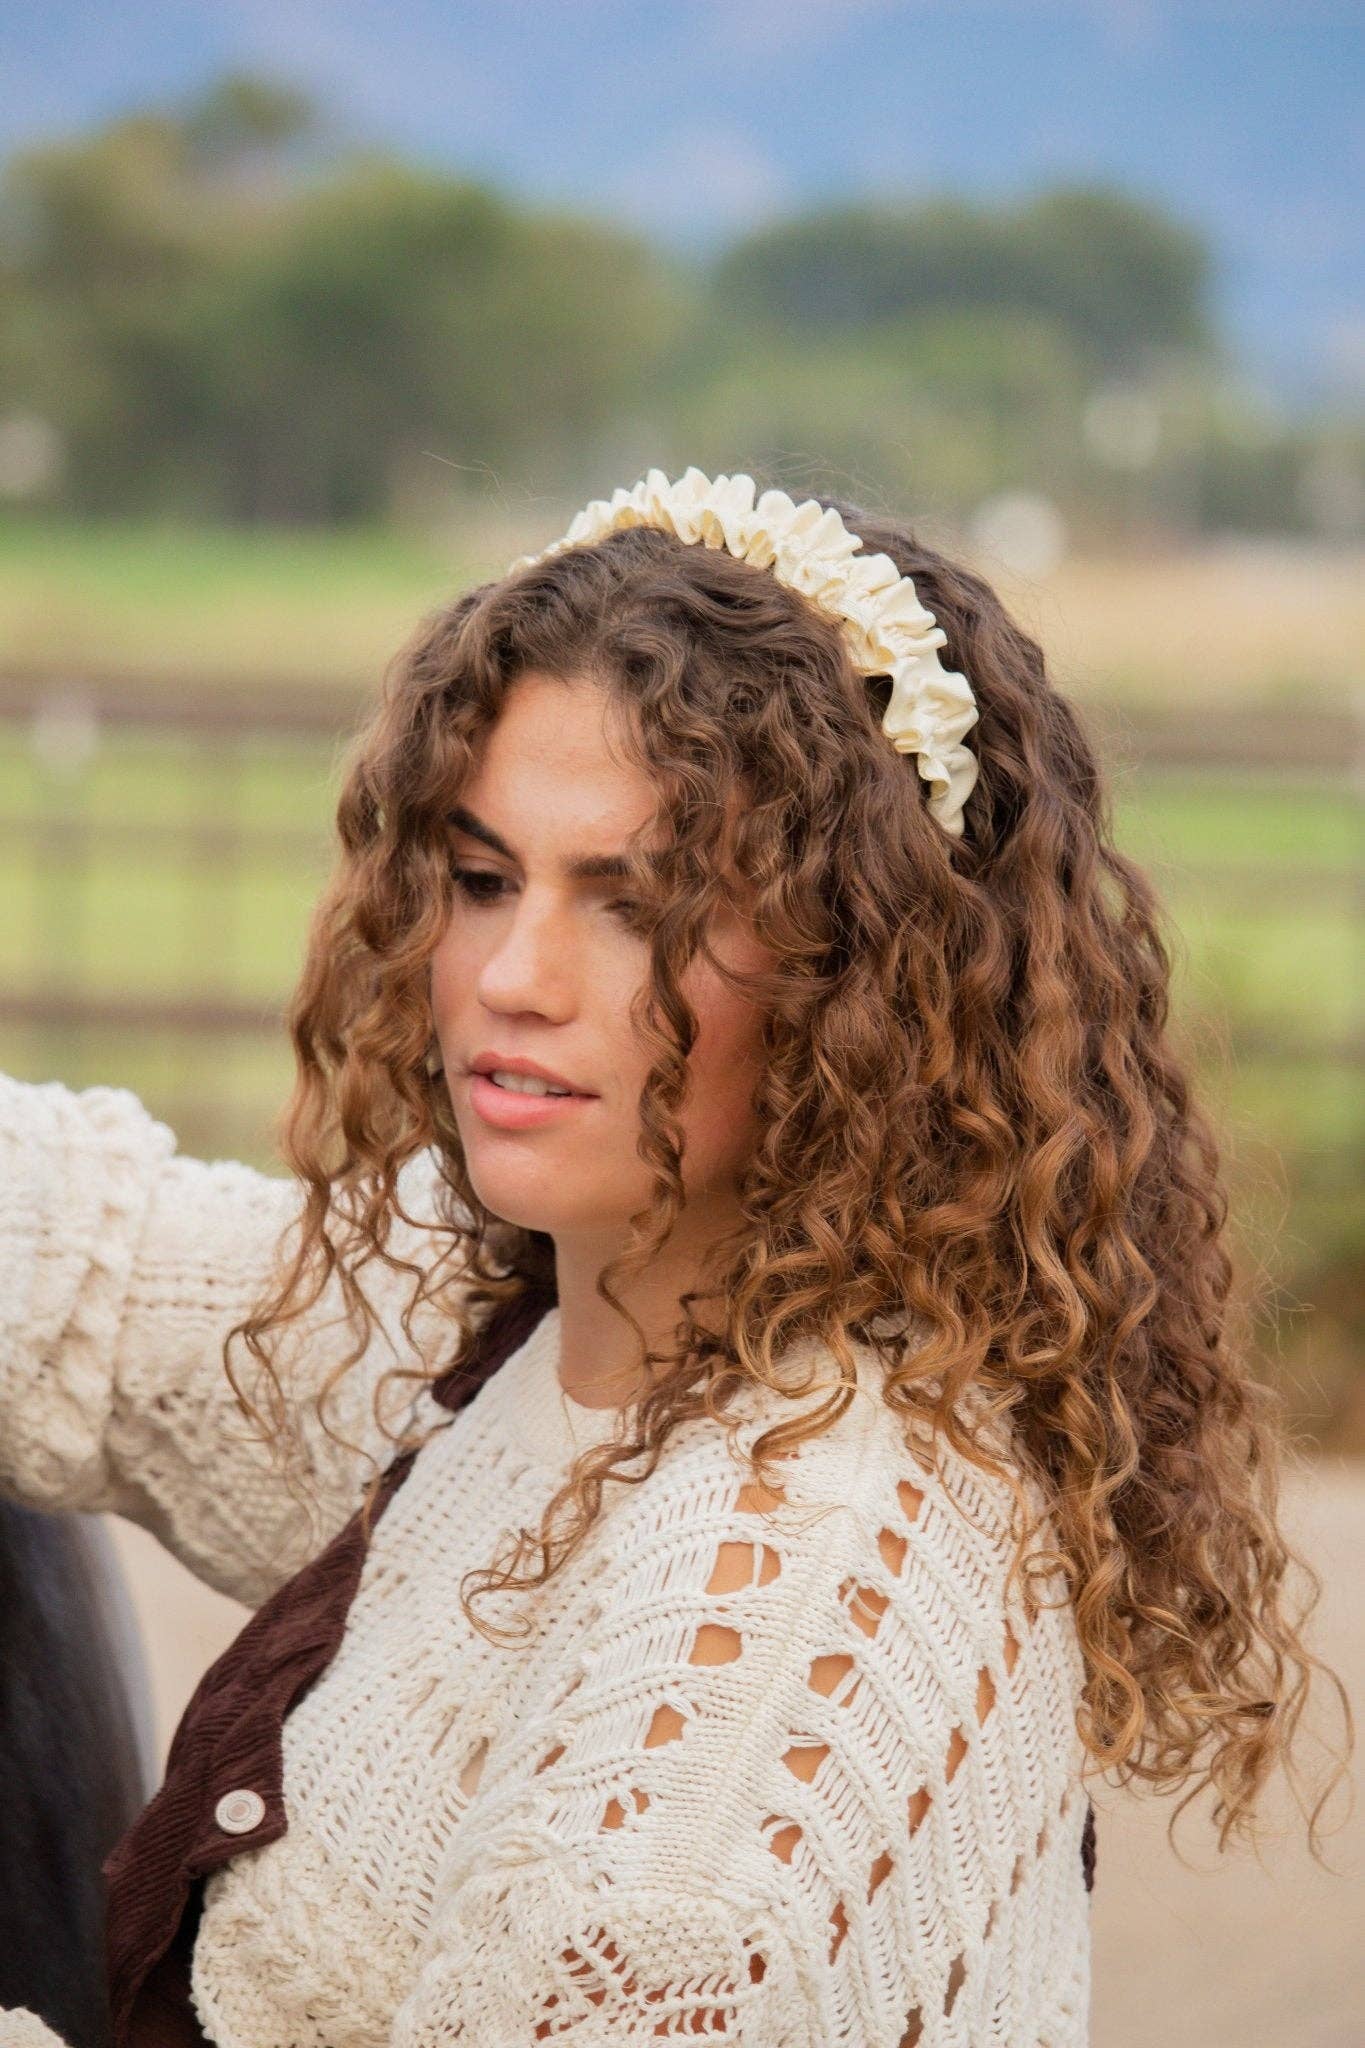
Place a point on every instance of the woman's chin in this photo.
(516, 1193)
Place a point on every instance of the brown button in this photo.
(237, 1813)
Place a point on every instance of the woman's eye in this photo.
(468, 881)
(479, 885)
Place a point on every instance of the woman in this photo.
(872, 1460)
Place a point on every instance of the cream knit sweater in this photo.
(794, 1778)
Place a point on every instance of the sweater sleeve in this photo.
(810, 1780)
(122, 1267)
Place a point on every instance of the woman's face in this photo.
(542, 964)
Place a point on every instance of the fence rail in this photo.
(220, 722)
(1322, 739)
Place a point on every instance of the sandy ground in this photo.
(1230, 1952)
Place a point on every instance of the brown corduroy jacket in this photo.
(230, 1739)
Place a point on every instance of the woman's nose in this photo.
(532, 958)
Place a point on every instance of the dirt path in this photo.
(1226, 1954)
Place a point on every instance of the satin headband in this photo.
(809, 548)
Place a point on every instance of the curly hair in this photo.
(970, 1110)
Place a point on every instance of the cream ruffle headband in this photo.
(808, 547)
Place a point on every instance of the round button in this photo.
(239, 1812)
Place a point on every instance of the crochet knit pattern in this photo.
(784, 1768)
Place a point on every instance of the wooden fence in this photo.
(216, 728)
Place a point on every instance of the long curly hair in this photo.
(972, 1119)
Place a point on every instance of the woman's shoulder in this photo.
(836, 1443)
(880, 1487)
(858, 1430)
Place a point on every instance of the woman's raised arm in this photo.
(122, 1267)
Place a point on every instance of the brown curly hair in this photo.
(970, 1109)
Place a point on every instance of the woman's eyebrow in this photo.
(587, 867)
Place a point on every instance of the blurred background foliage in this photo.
(266, 398)
(226, 312)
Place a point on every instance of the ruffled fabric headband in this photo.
(808, 547)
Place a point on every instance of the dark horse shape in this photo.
(76, 1760)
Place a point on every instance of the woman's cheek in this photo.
(725, 1065)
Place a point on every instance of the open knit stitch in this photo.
(856, 1819)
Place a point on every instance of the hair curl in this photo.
(970, 1108)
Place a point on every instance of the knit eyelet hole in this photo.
(911, 1499)
(893, 1548)
(804, 1759)
(828, 1673)
(614, 1815)
(865, 1604)
(881, 1870)
(735, 1565)
(1041, 1842)
(914, 2028)
(552, 1758)
(782, 1843)
(985, 1693)
(473, 1770)
(1016, 1875)
(955, 1979)
(957, 1749)
(666, 1725)
(1011, 1648)
(716, 1644)
(838, 1920)
(918, 1805)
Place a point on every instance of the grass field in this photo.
(1225, 621)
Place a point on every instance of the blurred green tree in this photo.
(225, 311)
(1122, 279)
(218, 329)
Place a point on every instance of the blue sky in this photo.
(694, 119)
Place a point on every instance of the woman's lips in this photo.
(511, 1110)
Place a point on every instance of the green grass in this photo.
(1195, 822)
(328, 607)
(164, 600)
